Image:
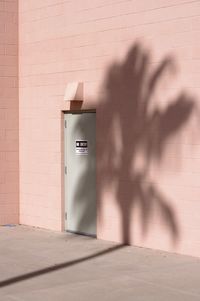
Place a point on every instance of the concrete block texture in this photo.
(9, 113)
(139, 62)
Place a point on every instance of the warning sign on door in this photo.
(81, 147)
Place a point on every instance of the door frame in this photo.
(63, 162)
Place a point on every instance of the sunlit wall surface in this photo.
(140, 62)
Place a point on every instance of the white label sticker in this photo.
(81, 147)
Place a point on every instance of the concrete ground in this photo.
(42, 265)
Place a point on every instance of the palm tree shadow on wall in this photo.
(126, 127)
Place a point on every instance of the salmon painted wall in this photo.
(140, 62)
(9, 129)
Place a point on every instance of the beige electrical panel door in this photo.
(80, 173)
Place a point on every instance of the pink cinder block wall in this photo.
(140, 62)
(9, 129)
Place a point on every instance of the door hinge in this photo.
(65, 123)
(65, 169)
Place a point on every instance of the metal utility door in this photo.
(80, 173)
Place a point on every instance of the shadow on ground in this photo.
(57, 267)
